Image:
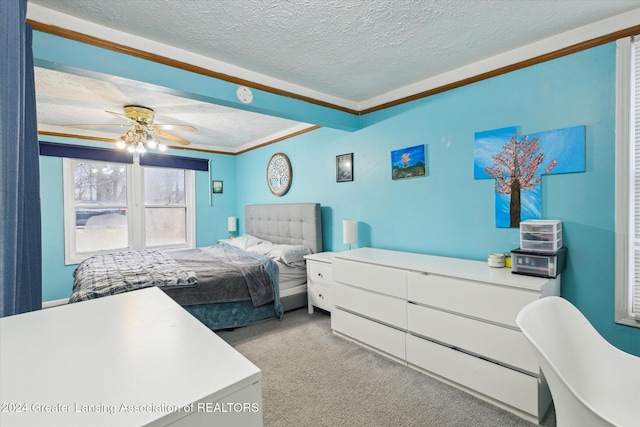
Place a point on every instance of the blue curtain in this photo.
(21, 244)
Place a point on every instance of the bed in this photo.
(215, 295)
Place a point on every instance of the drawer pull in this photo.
(320, 275)
(320, 295)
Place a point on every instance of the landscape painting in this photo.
(344, 167)
(217, 187)
(408, 162)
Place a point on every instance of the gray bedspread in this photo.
(212, 274)
(226, 274)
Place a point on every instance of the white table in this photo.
(134, 359)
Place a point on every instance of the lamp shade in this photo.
(349, 235)
(231, 224)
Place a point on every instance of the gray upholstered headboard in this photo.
(293, 224)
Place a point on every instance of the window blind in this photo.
(635, 128)
(177, 162)
(108, 155)
(86, 153)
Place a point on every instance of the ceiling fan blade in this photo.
(122, 116)
(153, 127)
(170, 137)
(84, 125)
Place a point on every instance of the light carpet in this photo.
(310, 377)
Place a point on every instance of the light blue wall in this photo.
(448, 212)
(211, 212)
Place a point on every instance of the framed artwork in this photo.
(217, 187)
(408, 162)
(279, 174)
(517, 163)
(344, 167)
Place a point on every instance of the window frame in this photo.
(624, 215)
(189, 206)
(136, 210)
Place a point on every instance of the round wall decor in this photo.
(279, 174)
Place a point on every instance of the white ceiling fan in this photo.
(143, 130)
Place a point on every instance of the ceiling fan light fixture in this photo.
(137, 140)
(151, 143)
(129, 137)
(143, 133)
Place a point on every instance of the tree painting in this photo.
(516, 170)
(518, 163)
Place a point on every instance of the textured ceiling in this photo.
(64, 99)
(351, 50)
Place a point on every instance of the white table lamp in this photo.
(349, 232)
(231, 226)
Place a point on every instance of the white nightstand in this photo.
(319, 278)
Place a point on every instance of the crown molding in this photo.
(570, 42)
(269, 141)
(579, 39)
(55, 23)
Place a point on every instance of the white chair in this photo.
(592, 382)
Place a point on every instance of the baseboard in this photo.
(55, 303)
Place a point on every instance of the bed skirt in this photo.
(230, 315)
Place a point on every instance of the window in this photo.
(99, 212)
(628, 182)
(113, 206)
(165, 205)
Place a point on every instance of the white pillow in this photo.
(263, 248)
(245, 241)
(289, 254)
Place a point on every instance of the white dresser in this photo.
(134, 359)
(450, 318)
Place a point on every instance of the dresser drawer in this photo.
(319, 272)
(505, 385)
(319, 295)
(486, 301)
(382, 308)
(385, 280)
(494, 342)
(383, 338)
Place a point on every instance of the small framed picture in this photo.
(408, 162)
(217, 187)
(344, 167)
